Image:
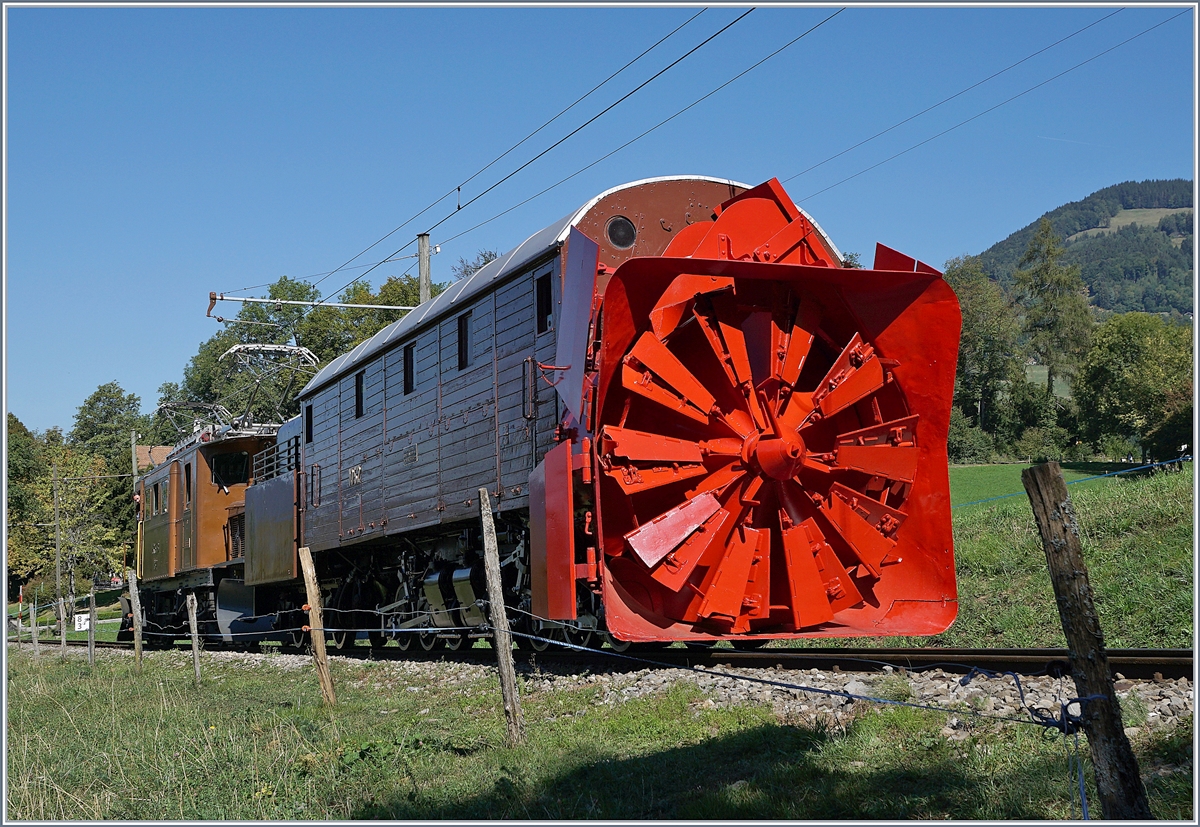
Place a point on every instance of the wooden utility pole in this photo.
(33, 621)
(501, 635)
(92, 627)
(316, 626)
(191, 609)
(136, 605)
(58, 553)
(1118, 780)
(425, 281)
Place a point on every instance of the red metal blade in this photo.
(809, 602)
(677, 566)
(639, 445)
(724, 592)
(846, 383)
(655, 355)
(634, 480)
(642, 383)
(865, 524)
(662, 535)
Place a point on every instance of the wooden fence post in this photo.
(33, 621)
(316, 626)
(191, 609)
(20, 611)
(62, 614)
(92, 627)
(136, 605)
(1118, 780)
(501, 635)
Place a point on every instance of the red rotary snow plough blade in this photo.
(770, 436)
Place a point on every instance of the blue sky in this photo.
(155, 154)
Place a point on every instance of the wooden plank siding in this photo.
(418, 459)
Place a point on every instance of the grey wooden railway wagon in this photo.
(399, 434)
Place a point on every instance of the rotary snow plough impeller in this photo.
(768, 436)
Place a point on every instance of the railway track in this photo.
(1129, 663)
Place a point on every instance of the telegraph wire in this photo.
(579, 128)
(994, 108)
(483, 169)
(952, 97)
(648, 131)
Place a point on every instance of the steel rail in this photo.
(1142, 664)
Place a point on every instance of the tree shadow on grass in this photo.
(766, 772)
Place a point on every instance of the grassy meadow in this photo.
(254, 742)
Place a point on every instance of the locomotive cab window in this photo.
(359, 378)
(464, 341)
(187, 486)
(231, 469)
(308, 424)
(156, 501)
(544, 295)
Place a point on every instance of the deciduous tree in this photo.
(1137, 382)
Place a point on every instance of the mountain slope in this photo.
(1127, 266)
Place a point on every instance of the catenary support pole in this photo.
(501, 635)
(136, 605)
(316, 626)
(192, 627)
(1118, 781)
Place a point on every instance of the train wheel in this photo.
(541, 640)
(579, 637)
(614, 643)
(456, 642)
(297, 638)
(404, 640)
(429, 641)
(700, 645)
(377, 639)
(749, 645)
(341, 619)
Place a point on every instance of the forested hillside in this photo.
(1133, 267)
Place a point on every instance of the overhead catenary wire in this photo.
(502, 155)
(658, 125)
(996, 106)
(575, 131)
(952, 97)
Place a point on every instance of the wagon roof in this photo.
(460, 292)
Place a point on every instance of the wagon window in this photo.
(231, 469)
(187, 486)
(545, 303)
(154, 510)
(410, 367)
(166, 497)
(308, 424)
(464, 341)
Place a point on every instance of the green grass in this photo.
(1036, 374)
(971, 483)
(1143, 218)
(254, 743)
